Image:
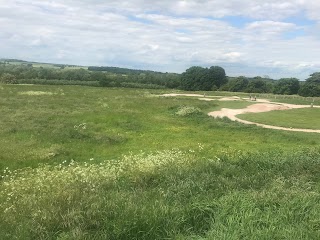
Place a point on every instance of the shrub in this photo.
(186, 111)
(8, 78)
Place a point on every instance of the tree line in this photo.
(119, 70)
(283, 86)
(26, 73)
(195, 78)
(214, 78)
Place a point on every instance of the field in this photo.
(44, 65)
(97, 163)
(307, 118)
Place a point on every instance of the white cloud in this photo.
(270, 25)
(232, 56)
(162, 35)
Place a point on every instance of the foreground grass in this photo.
(295, 118)
(167, 195)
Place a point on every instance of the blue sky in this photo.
(251, 38)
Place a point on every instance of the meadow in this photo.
(109, 163)
(307, 118)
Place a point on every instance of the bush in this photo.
(186, 111)
(310, 90)
(8, 78)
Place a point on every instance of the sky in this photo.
(246, 37)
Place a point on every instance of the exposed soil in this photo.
(265, 106)
(259, 105)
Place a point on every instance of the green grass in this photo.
(292, 99)
(46, 65)
(297, 100)
(296, 118)
(42, 128)
(167, 195)
(100, 163)
(49, 65)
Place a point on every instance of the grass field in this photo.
(45, 124)
(97, 163)
(307, 118)
(44, 65)
(297, 100)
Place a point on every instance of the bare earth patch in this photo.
(261, 107)
(189, 95)
(233, 98)
(181, 94)
(203, 97)
(35, 93)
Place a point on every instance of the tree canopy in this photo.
(198, 78)
(257, 85)
(238, 84)
(8, 78)
(311, 88)
(286, 86)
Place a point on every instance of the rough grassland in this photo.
(94, 163)
(81, 123)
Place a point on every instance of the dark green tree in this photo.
(314, 78)
(311, 88)
(8, 78)
(238, 84)
(97, 76)
(192, 78)
(287, 86)
(257, 85)
(198, 78)
(217, 76)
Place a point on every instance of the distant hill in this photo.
(109, 69)
(119, 70)
(12, 60)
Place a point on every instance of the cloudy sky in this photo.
(246, 37)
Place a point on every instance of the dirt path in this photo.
(260, 105)
(263, 106)
(203, 97)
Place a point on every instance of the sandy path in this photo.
(203, 97)
(187, 95)
(260, 105)
(264, 106)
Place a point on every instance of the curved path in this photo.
(261, 105)
(264, 106)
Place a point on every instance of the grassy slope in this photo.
(295, 118)
(242, 182)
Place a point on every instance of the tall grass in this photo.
(166, 195)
